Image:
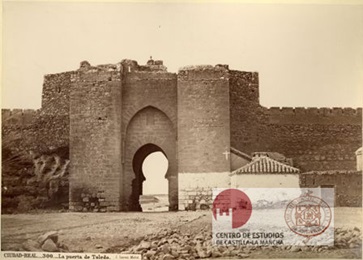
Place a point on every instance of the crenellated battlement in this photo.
(314, 116)
(19, 116)
(314, 111)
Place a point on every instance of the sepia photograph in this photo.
(181, 130)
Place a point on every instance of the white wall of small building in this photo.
(199, 186)
(264, 180)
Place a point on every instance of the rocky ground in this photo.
(172, 235)
(174, 244)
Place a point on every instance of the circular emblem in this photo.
(308, 215)
(234, 202)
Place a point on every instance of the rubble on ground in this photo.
(172, 244)
(47, 242)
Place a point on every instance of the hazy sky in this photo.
(306, 55)
(154, 168)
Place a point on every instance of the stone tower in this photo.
(203, 129)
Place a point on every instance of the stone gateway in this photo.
(206, 120)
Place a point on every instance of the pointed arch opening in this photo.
(150, 188)
(150, 131)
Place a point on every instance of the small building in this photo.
(265, 172)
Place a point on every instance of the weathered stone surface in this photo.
(150, 253)
(49, 246)
(175, 253)
(202, 254)
(145, 245)
(53, 235)
(168, 257)
(295, 249)
(166, 248)
(226, 253)
(216, 254)
(31, 245)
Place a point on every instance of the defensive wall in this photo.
(111, 117)
(315, 138)
(347, 185)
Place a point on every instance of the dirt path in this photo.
(85, 232)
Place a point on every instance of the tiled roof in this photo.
(264, 164)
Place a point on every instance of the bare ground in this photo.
(114, 232)
(86, 231)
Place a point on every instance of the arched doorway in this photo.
(146, 187)
(149, 131)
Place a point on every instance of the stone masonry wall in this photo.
(203, 119)
(54, 114)
(40, 132)
(347, 184)
(56, 91)
(44, 129)
(19, 129)
(95, 144)
(203, 131)
(149, 117)
(245, 111)
(143, 89)
(316, 139)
